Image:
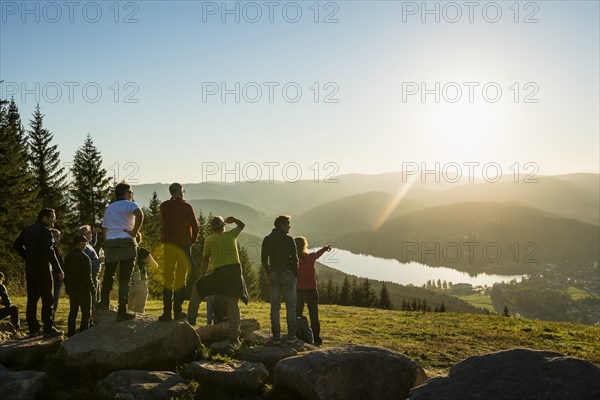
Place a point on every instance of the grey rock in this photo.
(259, 337)
(7, 332)
(220, 331)
(231, 376)
(269, 356)
(21, 385)
(224, 348)
(515, 374)
(141, 343)
(28, 352)
(142, 385)
(349, 372)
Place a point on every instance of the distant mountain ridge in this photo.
(572, 195)
(436, 235)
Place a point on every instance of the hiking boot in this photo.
(180, 315)
(35, 333)
(52, 332)
(165, 318)
(125, 316)
(294, 340)
(275, 340)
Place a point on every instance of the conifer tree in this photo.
(356, 295)
(263, 284)
(369, 298)
(90, 187)
(151, 227)
(18, 192)
(385, 301)
(345, 292)
(332, 292)
(151, 241)
(44, 160)
(249, 274)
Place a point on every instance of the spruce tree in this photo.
(90, 187)
(249, 274)
(385, 301)
(263, 284)
(204, 230)
(49, 176)
(369, 298)
(356, 294)
(151, 226)
(345, 292)
(18, 192)
(332, 292)
(151, 241)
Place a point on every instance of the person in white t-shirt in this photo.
(122, 221)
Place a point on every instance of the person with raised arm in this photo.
(307, 291)
(226, 279)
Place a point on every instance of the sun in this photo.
(462, 130)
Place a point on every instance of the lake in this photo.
(403, 273)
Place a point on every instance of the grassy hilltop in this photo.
(435, 340)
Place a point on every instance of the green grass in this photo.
(577, 294)
(436, 340)
(478, 300)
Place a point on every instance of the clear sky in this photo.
(515, 83)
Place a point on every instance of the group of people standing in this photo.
(287, 262)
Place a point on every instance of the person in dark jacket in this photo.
(91, 234)
(79, 284)
(280, 261)
(36, 245)
(57, 282)
(8, 308)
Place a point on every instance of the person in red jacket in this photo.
(307, 291)
(179, 230)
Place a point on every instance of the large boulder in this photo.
(230, 376)
(7, 332)
(220, 331)
(349, 372)
(28, 352)
(142, 385)
(515, 374)
(21, 385)
(140, 343)
(269, 356)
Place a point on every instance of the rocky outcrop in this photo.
(515, 374)
(232, 376)
(269, 356)
(28, 353)
(141, 343)
(142, 385)
(349, 372)
(7, 332)
(21, 385)
(219, 332)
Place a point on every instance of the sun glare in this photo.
(462, 130)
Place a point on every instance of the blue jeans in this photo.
(283, 283)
